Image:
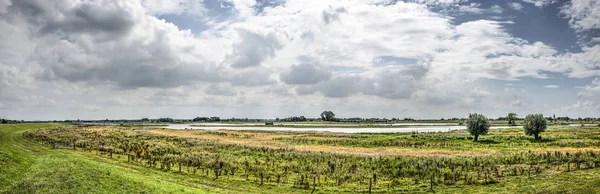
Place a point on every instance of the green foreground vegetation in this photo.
(50, 158)
(28, 167)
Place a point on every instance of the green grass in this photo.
(31, 167)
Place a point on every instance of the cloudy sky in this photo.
(97, 59)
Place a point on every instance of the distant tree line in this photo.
(294, 119)
(207, 119)
(7, 121)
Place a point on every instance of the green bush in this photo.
(534, 124)
(477, 125)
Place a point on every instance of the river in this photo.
(408, 128)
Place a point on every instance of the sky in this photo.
(129, 59)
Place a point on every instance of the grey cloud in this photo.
(3, 5)
(305, 90)
(281, 90)
(91, 19)
(220, 90)
(153, 65)
(397, 84)
(388, 83)
(337, 87)
(253, 49)
(388, 60)
(332, 15)
(341, 87)
(518, 103)
(305, 74)
(85, 18)
(133, 76)
(249, 77)
(153, 62)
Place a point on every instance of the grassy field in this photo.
(29, 167)
(47, 158)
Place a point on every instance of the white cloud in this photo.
(516, 6)
(552, 86)
(161, 7)
(588, 99)
(518, 103)
(583, 14)
(305, 74)
(540, 3)
(405, 54)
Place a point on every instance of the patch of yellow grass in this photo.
(265, 140)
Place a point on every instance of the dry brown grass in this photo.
(570, 150)
(266, 141)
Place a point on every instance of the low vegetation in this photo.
(477, 125)
(535, 124)
(503, 161)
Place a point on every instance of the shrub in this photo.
(477, 125)
(534, 124)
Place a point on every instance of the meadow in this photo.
(74, 159)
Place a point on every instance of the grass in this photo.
(100, 165)
(29, 167)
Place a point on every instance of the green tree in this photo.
(512, 117)
(534, 124)
(477, 125)
(145, 120)
(327, 116)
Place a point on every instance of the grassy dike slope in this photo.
(29, 167)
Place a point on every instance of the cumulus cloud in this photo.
(158, 7)
(588, 98)
(540, 3)
(253, 49)
(516, 6)
(305, 74)
(396, 84)
(406, 53)
(220, 90)
(584, 18)
(583, 14)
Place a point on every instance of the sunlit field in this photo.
(42, 157)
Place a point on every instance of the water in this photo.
(587, 125)
(336, 129)
(327, 124)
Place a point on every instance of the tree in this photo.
(511, 118)
(165, 120)
(145, 120)
(477, 125)
(200, 119)
(327, 116)
(534, 124)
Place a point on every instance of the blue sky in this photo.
(69, 59)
